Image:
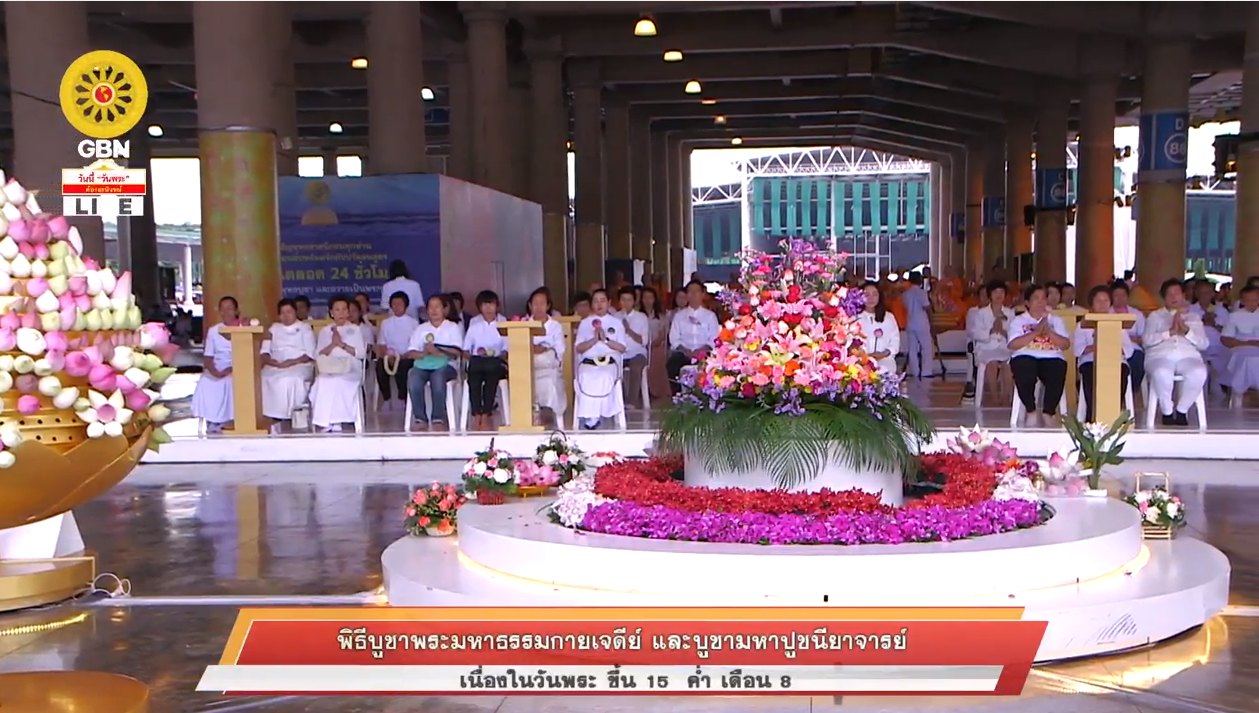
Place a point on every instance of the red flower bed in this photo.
(650, 483)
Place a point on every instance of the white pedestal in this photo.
(55, 537)
(835, 476)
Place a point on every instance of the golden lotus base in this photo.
(33, 583)
(530, 491)
(72, 692)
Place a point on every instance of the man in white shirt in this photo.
(636, 343)
(921, 347)
(1174, 340)
(1241, 337)
(693, 331)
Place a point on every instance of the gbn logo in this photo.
(103, 205)
(104, 148)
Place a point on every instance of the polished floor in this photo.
(194, 542)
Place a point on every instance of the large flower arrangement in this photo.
(788, 380)
(434, 510)
(639, 498)
(558, 454)
(490, 475)
(72, 339)
(1158, 507)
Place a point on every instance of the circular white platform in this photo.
(1086, 571)
(835, 475)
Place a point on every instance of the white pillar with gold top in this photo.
(246, 379)
(1108, 362)
(520, 375)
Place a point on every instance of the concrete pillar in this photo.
(284, 90)
(146, 278)
(934, 236)
(1162, 159)
(395, 78)
(240, 224)
(976, 165)
(1095, 216)
(549, 162)
(459, 159)
(521, 130)
(677, 233)
(185, 274)
(686, 198)
(1051, 189)
(487, 65)
(617, 194)
(995, 204)
(640, 190)
(44, 38)
(589, 179)
(661, 209)
(957, 211)
(1018, 186)
(1246, 247)
(330, 168)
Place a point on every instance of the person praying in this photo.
(288, 366)
(337, 396)
(1174, 341)
(599, 345)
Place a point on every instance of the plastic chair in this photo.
(621, 422)
(1081, 408)
(981, 377)
(455, 384)
(1017, 412)
(1151, 402)
(645, 388)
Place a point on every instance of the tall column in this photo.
(618, 208)
(934, 236)
(640, 190)
(589, 179)
(687, 201)
(677, 234)
(976, 166)
(521, 131)
(240, 224)
(44, 38)
(1162, 159)
(1018, 186)
(146, 278)
(1246, 247)
(459, 159)
(549, 162)
(487, 65)
(330, 168)
(284, 90)
(661, 210)
(995, 205)
(1095, 215)
(957, 211)
(185, 274)
(395, 78)
(1051, 189)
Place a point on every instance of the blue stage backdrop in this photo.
(338, 235)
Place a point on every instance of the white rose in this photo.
(479, 468)
(1173, 510)
(549, 458)
(1142, 496)
(1152, 515)
(501, 476)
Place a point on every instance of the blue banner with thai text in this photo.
(994, 211)
(1164, 141)
(338, 235)
(1051, 188)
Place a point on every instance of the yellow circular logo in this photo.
(103, 94)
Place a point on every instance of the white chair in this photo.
(1081, 408)
(645, 388)
(981, 377)
(1151, 402)
(621, 423)
(455, 384)
(360, 414)
(1017, 412)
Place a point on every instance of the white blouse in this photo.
(1083, 339)
(979, 326)
(395, 333)
(1041, 347)
(448, 334)
(613, 331)
(1160, 342)
(553, 338)
(218, 348)
(483, 338)
(292, 341)
(882, 336)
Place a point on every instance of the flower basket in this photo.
(491, 474)
(560, 455)
(1157, 532)
(434, 509)
(439, 530)
(1162, 513)
(485, 496)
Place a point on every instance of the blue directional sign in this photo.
(1164, 141)
(994, 211)
(1051, 189)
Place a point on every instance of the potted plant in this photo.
(491, 475)
(1097, 446)
(561, 456)
(434, 510)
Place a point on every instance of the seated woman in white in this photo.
(548, 360)
(882, 338)
(288, 365)
(432, 351)
(1084, 346)
(1174, 340)
(1215, 317)
(600, 341)
(339, 351)
(1037, 339)
(1241, 338)
(988, 328)
(212, 399)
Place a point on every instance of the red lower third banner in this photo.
(649, 651)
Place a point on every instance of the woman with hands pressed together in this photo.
(600, 342)
(288, 365)
(1037, 339)
(337, 396)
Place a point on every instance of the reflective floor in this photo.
(193, 540)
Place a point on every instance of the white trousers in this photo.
(920, 350)
(1162, 373)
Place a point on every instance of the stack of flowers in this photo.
(490, 476)
(434, 510)
(793, 348)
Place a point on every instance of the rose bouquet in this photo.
(557, 453)
(490, 475)
(1158, 508)
(434, 510)
(788, 379)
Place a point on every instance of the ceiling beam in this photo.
(1123, 18)
(817, 127)
(758, 138)
(807, 111)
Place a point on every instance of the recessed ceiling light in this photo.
(736, 141)
(707, 102)
(156, 131)
(568, 145)
(719, 119)
(359, 63)
(427, 94)
(645, 27)
(693, 87)
(335, 128)
(673, 56)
